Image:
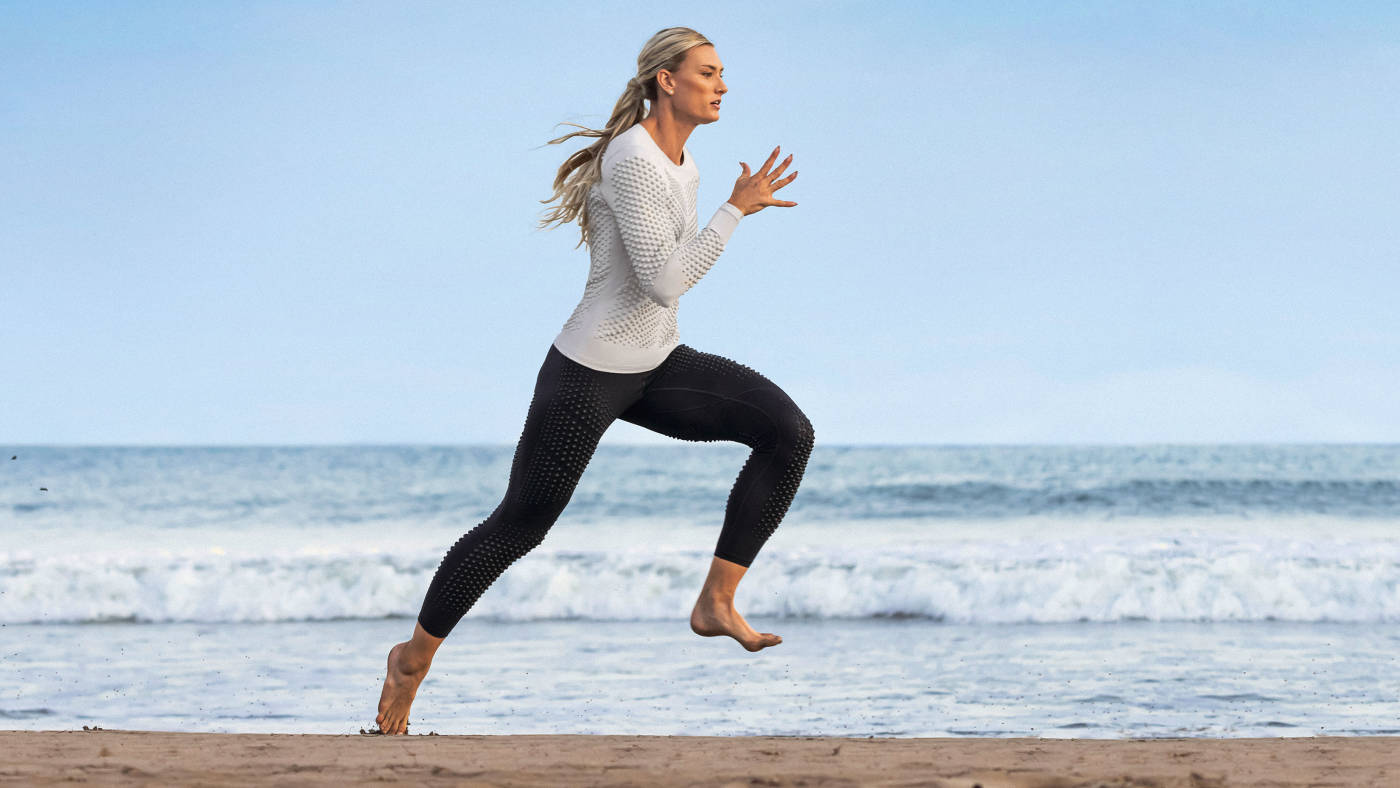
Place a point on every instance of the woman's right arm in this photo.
(665, 267)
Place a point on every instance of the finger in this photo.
(775, 173)
(746, 168)
(783, 203)
(769, 163)
(785, 181)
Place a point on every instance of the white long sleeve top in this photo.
(644, 253)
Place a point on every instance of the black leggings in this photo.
(691, 395)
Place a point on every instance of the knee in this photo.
(528, 523)
(795, 432)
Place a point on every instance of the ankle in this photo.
(412, 661)
(717, 597)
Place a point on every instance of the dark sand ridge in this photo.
(48, 757)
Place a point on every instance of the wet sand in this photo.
(111, 756)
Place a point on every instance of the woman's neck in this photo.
(669, 133)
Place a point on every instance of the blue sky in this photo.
(1018, 222)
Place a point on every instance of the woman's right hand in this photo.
(753, 193)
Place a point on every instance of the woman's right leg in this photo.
(571, 409)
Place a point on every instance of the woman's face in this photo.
(698, 85)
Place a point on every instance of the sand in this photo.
(111, 756)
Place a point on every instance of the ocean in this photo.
(1053, 591)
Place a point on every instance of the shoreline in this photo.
(122, 756)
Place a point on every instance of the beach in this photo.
(922, 592)
(957, 616)
(1086, 333)
(113, 756)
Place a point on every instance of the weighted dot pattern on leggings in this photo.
(477, 559)
(572, 423)
(789, 443)
(795, 447)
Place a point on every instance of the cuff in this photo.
(725, 220)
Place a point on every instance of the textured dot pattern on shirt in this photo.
(655, 216)
(632, 318)
(646, 249)
(601, 252)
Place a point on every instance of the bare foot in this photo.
(401, 682)
(714, 615)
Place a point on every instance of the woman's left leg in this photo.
(700, 396)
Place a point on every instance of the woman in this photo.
(619, 356)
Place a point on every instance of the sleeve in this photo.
(665, 267)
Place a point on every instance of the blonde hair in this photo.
(667, 49)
